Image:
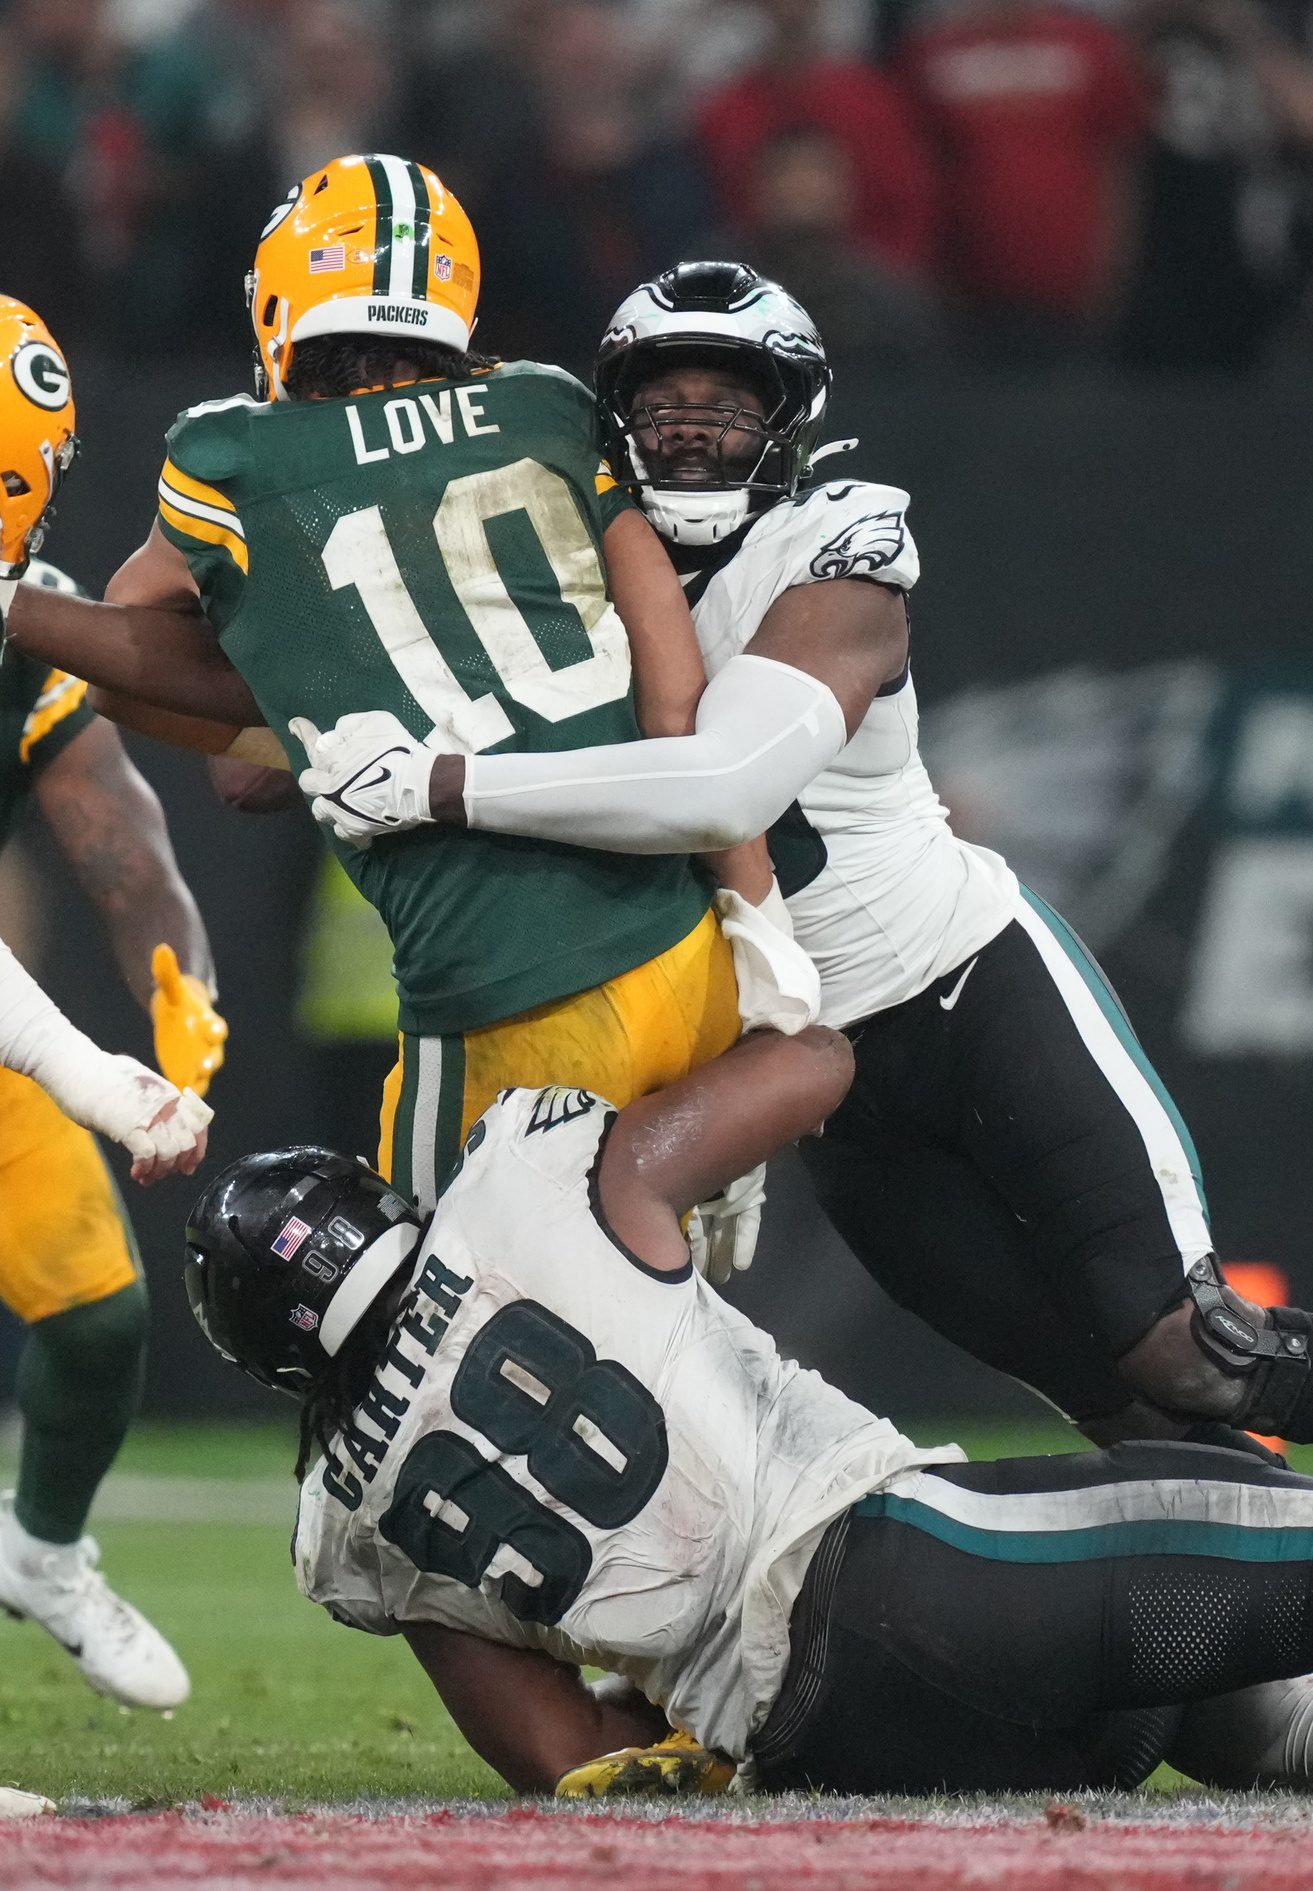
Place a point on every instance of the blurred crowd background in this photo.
(997, 181)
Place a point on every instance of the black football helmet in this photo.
(708, 314)
(285, 1254)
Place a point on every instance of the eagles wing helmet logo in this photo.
(862, 548)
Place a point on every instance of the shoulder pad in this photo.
(210, 441)
(51, 578)
(555, 1132)
(546, 372)
(852, 529)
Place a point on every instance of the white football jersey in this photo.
(566, 1449)
(890, 898)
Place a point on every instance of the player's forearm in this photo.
(528, 1715)
(764, 730)
(159, 911)
(109, 826)
(165, 657)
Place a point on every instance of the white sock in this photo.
(33, 1554)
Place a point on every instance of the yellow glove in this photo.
(675, 1767)
(189, 1033)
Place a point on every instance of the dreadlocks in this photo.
(331, 367)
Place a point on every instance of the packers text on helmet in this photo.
(370, 245)
(37, 440)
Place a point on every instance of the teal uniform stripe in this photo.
(423, 234)
(1111, 1007)
(403, 1133)
(382, 225)
(451, 1107)
(1161, 1537)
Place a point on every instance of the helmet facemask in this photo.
(724, 320)
(701, 469)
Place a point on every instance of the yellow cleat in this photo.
(675, 1767)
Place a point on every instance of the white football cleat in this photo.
(61, 1587)
(17, 1805)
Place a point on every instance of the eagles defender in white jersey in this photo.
(548, 1442)
(1008, 1165)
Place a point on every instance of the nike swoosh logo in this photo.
(946, 1004)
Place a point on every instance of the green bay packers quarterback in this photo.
(402, 525)
(68, 1264)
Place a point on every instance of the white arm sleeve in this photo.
(764, 730)
(115, 1095)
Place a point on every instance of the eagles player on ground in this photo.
(548, 1442)
(1008, 1164)
(407, 526)
(69, 1267)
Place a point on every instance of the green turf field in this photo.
(285, 1702)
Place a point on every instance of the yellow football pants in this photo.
(64, 1240)
(624, 1039)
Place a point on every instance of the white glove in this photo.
(722, 1233)
(163, 1129)
(368, 775)
(779, 987)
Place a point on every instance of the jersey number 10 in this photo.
(359, 553)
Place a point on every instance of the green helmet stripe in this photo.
(423, 234)
(382, 225)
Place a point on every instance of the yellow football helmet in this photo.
(367, 246)
(37, 441)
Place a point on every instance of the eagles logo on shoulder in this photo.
(557, 1105)
(862, 548)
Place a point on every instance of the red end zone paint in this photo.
(527, 1850)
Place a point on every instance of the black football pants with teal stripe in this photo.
(1036, 1623)
(1008, 1166)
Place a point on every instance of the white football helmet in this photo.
(713, 314)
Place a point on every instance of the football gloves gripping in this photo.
(368, 775)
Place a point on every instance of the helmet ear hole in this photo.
(321, 185)
(269, 314)
(14, 484)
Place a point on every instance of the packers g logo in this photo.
(41, 375)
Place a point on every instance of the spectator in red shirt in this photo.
(1038, 114)
(893, 212)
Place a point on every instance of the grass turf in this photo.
(285, 1702)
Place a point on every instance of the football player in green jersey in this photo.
(69, 1268)
(409, 527)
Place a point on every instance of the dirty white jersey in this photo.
(882, 893)
(565, 1449)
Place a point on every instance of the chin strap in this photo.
(1280, 1399)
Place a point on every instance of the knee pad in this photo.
(1273, 1357)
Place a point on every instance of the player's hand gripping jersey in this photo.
(568, 1450)
(434, 551)
(882, 894)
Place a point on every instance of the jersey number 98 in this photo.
(590, 1434)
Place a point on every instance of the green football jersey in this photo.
(435, 551)
(41, 710)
